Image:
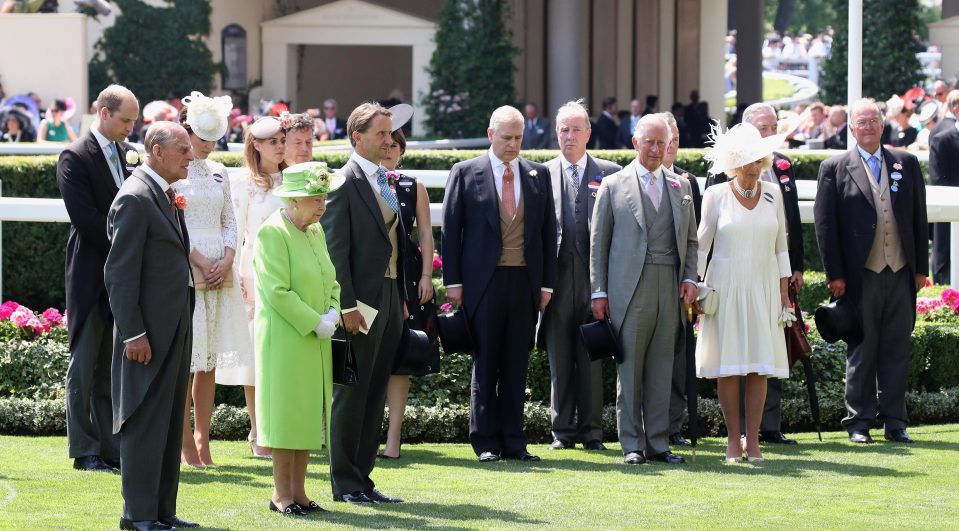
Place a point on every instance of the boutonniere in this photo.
(896, 177)
(391, 177)
(686, 200)
(673, 182)
(133, 158)
(533, 173)
(179, 201)
(783, 165)
(897, 166)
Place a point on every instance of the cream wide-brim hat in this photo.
(207, 117)
(738, 146)
(401, 113)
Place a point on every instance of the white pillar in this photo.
(562, 52)
(420, 82)
(854, 62)
(712, 56)
(954, 253)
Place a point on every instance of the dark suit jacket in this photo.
(472, 240)
(846, 216)
(694, 187)
(943, 125)
(358, 241)
(87, 187)
(624, 135)
(944, 158)
(838, 140)
(787, 185)
(339, 132)
(537, 137)
(147, 273)
(605, 132)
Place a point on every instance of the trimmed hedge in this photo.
(34, 253)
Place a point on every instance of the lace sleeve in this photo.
(239, 186)
(228, 225)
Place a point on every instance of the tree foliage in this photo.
(889, 46)
(471, 69)
(155, 50)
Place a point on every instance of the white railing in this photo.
(942, 205)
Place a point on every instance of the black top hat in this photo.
(601, 341)
(839, 320)
(417, 355)
(454, 331)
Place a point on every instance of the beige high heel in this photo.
(259, 451)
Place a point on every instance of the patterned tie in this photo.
(652, 191)
(574, 180)
(874, 167)
(509, 193)
(172, 195)
(385, 191)
(115, 167)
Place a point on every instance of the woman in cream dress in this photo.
(254, 202)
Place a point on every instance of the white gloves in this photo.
(787, 317)
(327, 325)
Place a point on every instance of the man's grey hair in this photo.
(864, 102)
(755, 110)
(329, 102)
(161, 134)
(670, 119)
(505, 114)
(650, 120)
(573, 108)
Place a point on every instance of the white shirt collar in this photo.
(156, 177)
(101, 140)
(496, 162)
(865, 154)
(368, 167)
(642, 171)
(581, 163)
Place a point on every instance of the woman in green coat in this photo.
(297, 311)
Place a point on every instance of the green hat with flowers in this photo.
(308, 179)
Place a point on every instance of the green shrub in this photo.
(33, 369)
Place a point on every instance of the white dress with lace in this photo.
(221, 340)
(253, 205)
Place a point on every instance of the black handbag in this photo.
(345, 371)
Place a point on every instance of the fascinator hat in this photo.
(401, 114)
(265, 127)
(308, 179)
(206, 116)
(738, 146)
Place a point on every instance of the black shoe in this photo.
(313, 507)
(93, 463)
(384, 456)
(860, 437)
(634, 458)
(144, 525)
(293, 509)
(525, 456)
(667, 457)
(774, 437)
(560, 444)
(115, 463)
(677, 439)
(488, 457)
(595, 444)
(175, 522)
(379, 497)
(899, 436)
(358, 498)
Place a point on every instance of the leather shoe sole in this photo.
(525, 456)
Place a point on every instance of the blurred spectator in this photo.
(901, 133)
(939, 91)
(627, 125)
(54, 127)
(174, 98)
(928, 116)
(319, 127)
(652, 104)
(537, 131)
(836, 128)
(605, 130)
(15, 126)
(335, 125)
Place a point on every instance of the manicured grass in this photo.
(825, 485)
(773, 89)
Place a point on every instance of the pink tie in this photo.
(652, 191)
(509, 194)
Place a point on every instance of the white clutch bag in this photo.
(707, 299)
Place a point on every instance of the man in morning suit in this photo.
(362, 234)
(536, 135)
(499, 264)
(606, 128)
(576, 398)
(334, 124)
(89, 174)
(147, 276)
(763, 117)
(872, 231)
(643, 248)
(943, 171)
(624, 136)
(687, 343)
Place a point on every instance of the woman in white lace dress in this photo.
(253, 202)
(220, 337)
(744, 225)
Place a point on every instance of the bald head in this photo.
(169, 150)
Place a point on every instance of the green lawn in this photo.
(832, 484)
(773, 89)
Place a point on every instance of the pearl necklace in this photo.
(743, 192)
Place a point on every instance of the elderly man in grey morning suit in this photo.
(642, 264)
(576, 398)
(147, 276)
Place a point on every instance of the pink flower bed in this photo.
(28, 321)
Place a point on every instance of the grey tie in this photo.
(652, 191)
(115, 164)
(574, 179)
